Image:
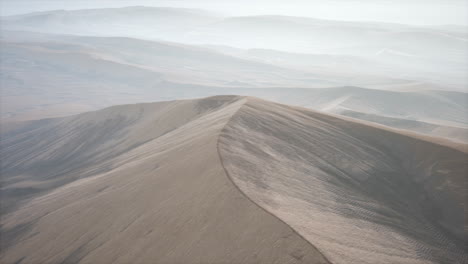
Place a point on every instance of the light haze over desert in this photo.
(176, 131)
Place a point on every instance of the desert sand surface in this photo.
(360, 193)
(135, 184)
(228, 179)
(358, 50)
(453, 133)
(54, 75)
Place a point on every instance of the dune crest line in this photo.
(359, 192)
(166, 182)
(250, 199)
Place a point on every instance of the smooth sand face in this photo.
(361, 194)
(167, 200)
(227, 179)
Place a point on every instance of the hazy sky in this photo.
(420, 12)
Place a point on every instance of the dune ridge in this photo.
(231, 179)
(375, 225)
(227, 179)
(166, 200)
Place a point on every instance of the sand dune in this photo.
(174, 61)
(139, 21)
(39, 81)
(290, 33)
(139, 184)
(361, 194)
(227, 179)
(449, 132)
(387, 52)
(56, 75)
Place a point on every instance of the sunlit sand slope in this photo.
(135, 184)
(360, 193)
(228, 179)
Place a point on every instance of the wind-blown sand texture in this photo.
(361, 194)
(136, 184)
(227, 179)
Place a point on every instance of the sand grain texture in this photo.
(227, 179)
(151, 190)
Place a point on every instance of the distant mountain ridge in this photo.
(430, 54)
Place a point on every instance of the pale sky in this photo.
(416, 12)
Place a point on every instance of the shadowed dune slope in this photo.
(227, 179)
(360, 193)
(135, 184)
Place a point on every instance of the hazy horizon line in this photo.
(225, 16)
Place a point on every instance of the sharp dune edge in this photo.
(360, 193)
(227, 179)
(165, 200)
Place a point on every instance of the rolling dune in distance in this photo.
(219, 132)
(450, 132)
(228, 179)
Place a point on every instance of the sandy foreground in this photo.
(228, 179)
